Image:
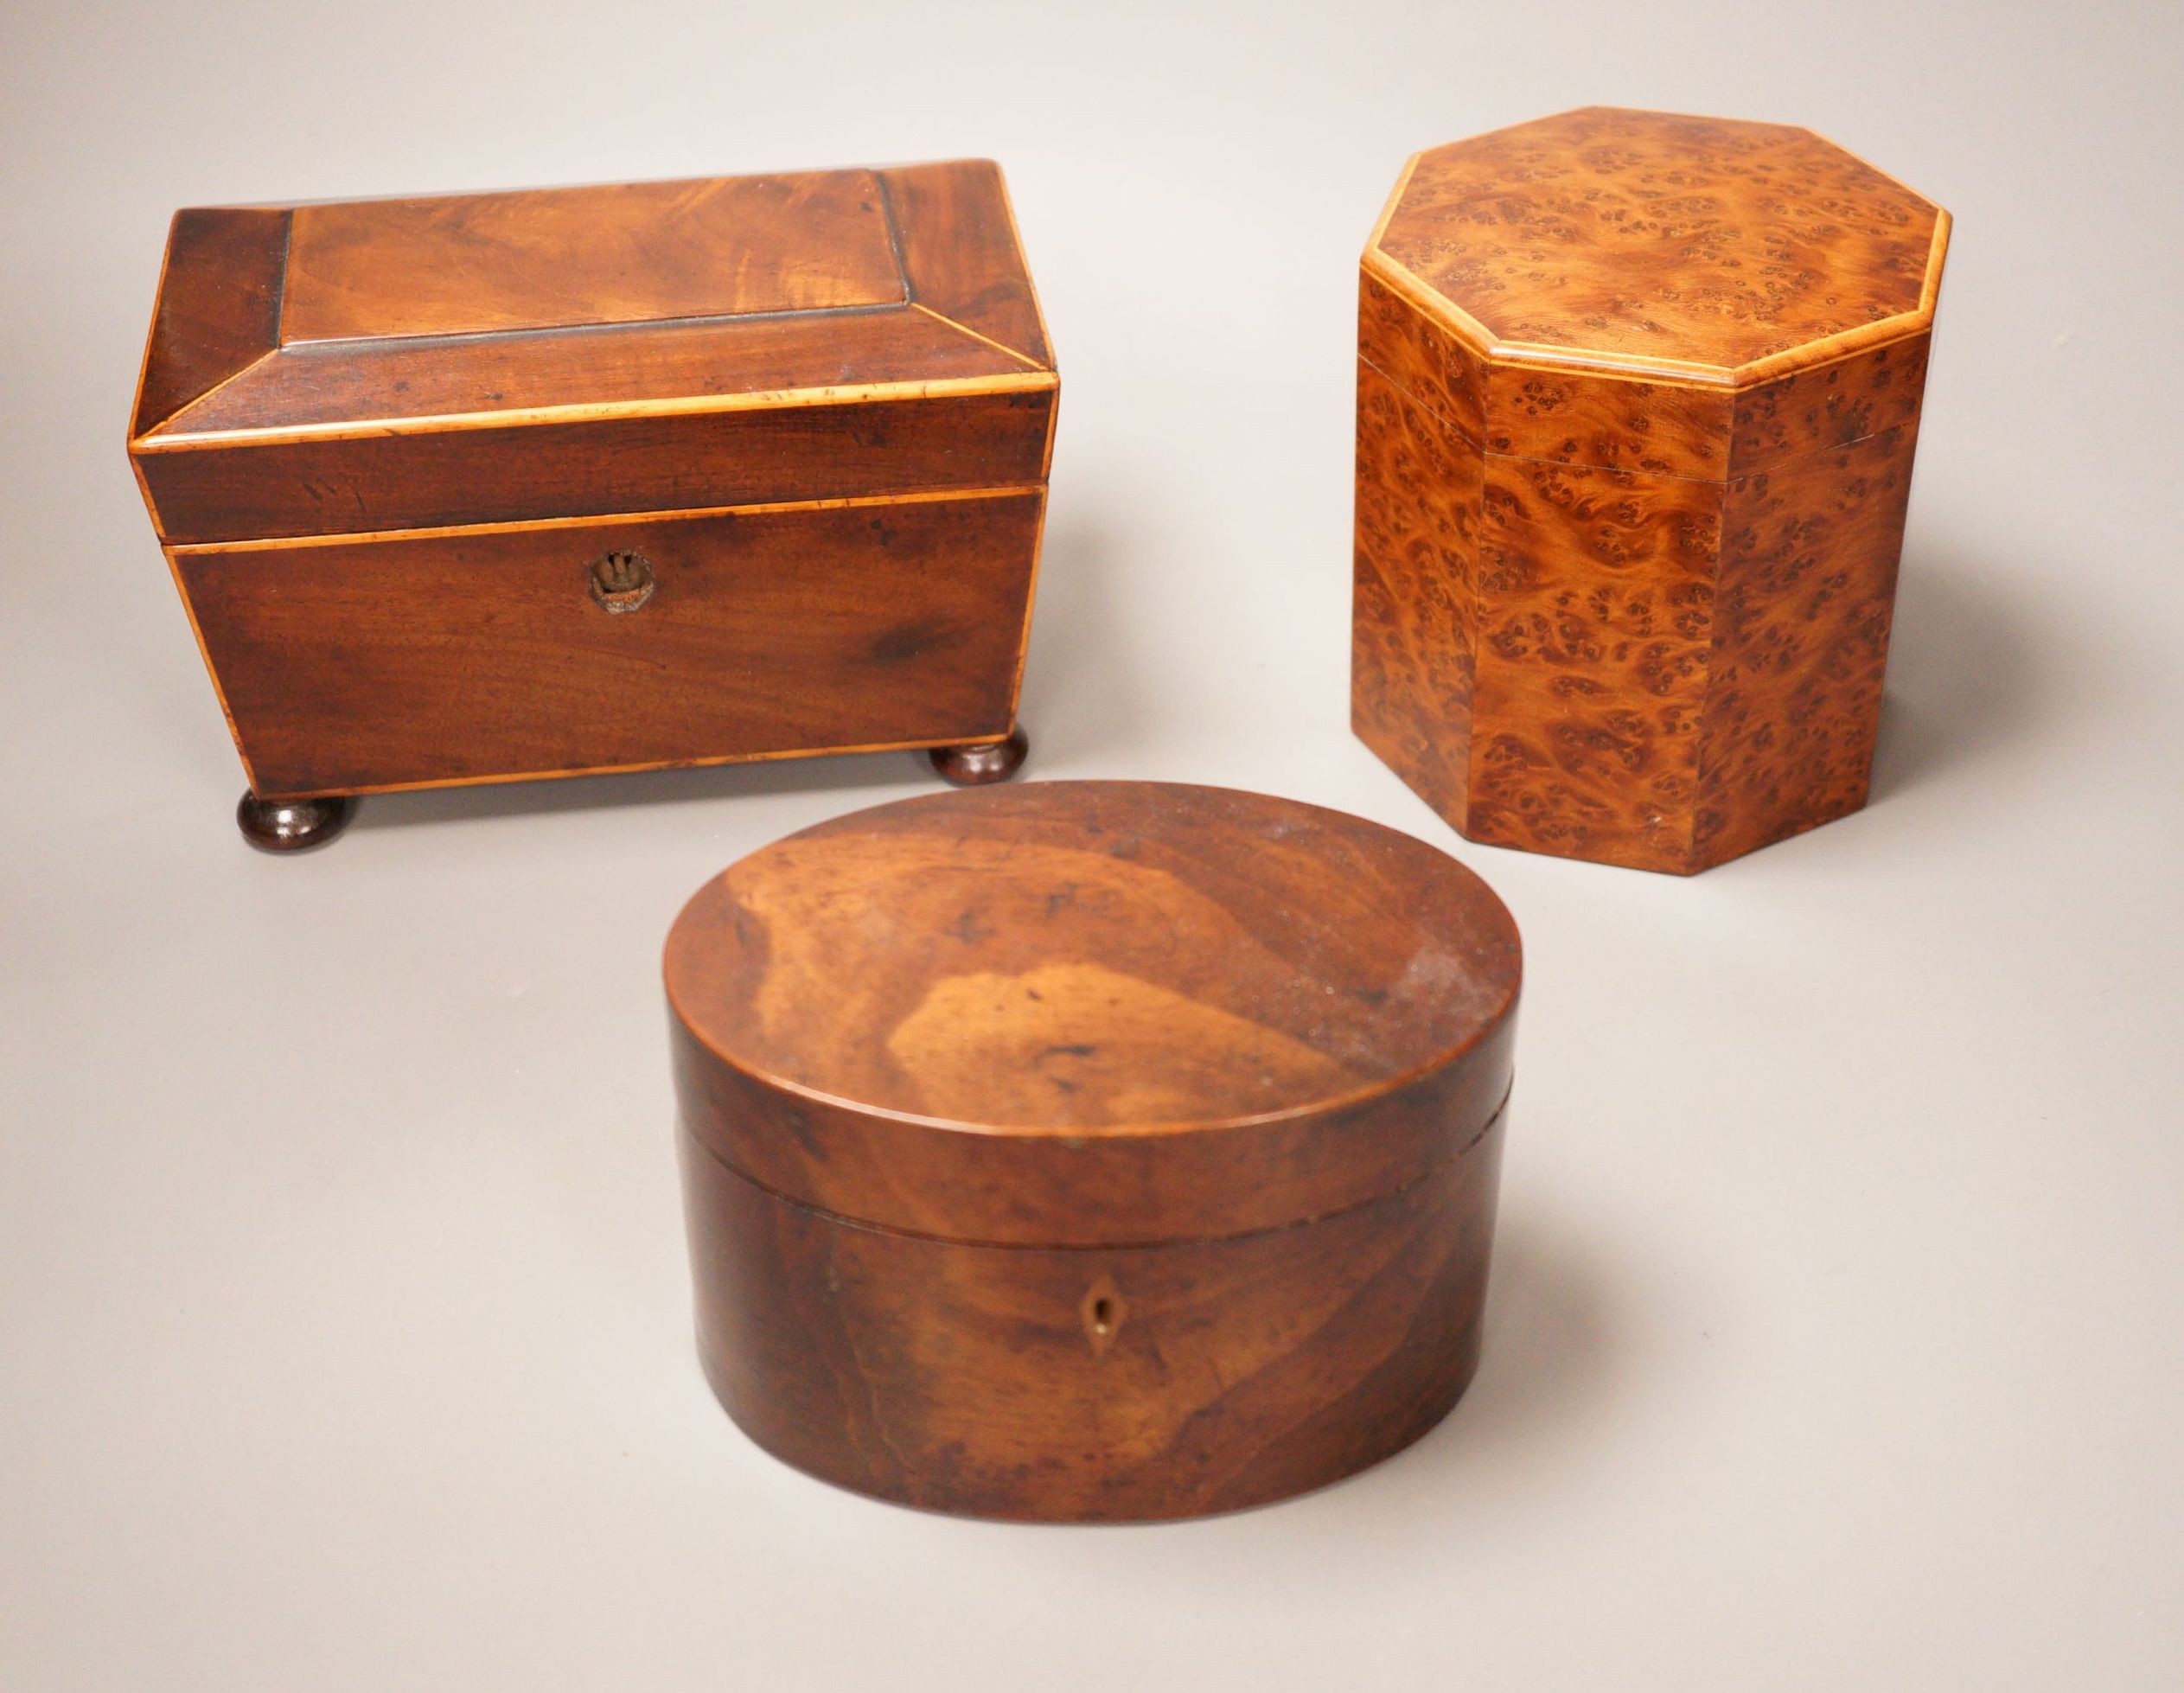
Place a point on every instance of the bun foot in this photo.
(292, 826)
(981, 761)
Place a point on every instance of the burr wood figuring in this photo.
(1091, 1151)
(1637, 400)
(496, 486)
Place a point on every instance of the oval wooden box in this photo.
(1091, 1151)
(1637, 396)
(486, 487)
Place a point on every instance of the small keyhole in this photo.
(1102, 1312)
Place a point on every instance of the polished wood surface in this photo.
(1120, 1149)
(1585, 710)
(247, 429)
(628, 253)
(1415, 603)
(385, 336)
(959, 246)
(1614, 423)
(359, 666)
(1239, 957)
(1638, 619)
(218, 309)
(897, 1170)
(317, 391)
(1649, 237)
(383, 440)
(761, 455)
(1125, 1383)
(1829, 406)
(1803, 604)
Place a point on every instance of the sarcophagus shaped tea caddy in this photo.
(508, 485)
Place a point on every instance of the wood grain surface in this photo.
(264, 488)
(1697, 240)
(1414, 625)
(1609, 423)
(1829, 406)
(319, 389)
(1639, 619)
(218, 309)
(1594, 590)
(1802, 612)
(1107, 1384)
(960, 255)
(627, 252)
(1241, 956)
(383, 441)
(954, 1071)
(354, 666)
(641, 320)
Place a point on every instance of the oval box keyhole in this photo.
(1102, 1310)
(622, 581)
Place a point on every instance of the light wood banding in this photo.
(1637, 400)
(382, 442)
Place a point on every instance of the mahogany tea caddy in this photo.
(495, 486)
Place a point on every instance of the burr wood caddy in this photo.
(1638, 399)
(1091, 1150)
(512, 485)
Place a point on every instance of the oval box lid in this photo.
(1092, 1012)
(376, 365)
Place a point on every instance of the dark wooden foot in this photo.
(292, 826)
(982, 762)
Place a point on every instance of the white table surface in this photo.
(1835, 1338)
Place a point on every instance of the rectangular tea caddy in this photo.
(490, 486)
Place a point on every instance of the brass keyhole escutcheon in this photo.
(622, 581)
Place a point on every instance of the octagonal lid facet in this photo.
(1691, 249)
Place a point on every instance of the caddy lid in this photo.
(1699, 250)
(294, 343)
(1083, 1012)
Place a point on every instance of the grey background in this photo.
(1834, 1339)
